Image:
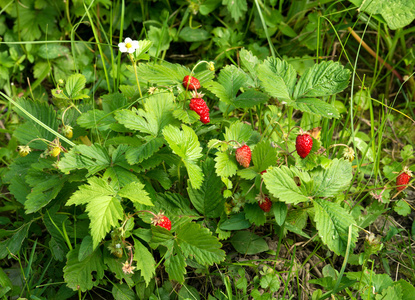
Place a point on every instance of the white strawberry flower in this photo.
(128, 46)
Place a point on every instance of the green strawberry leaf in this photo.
(238, 131)
(136, 193)
(249, 61)
(332, 181)
(315, 107)
(255, 214)
(136, 154)
(332, 223)
(277, 77)
(93, 158)
(104, 209)
(14, 243)
(225, 164)
(176, 265)
(248, 243)
(237, 8)
(323, 79)
(280, 182)
(263, 156)
(197, 242)
(74, 85)
(83, 275)
(185, 144)
(208, 200)
(145, 261)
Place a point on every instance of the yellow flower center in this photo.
(128, 45)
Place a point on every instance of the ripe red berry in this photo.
(162, 221)
(303, 144)
(265, 204)
(403, 179)
(191, 83)
(243, 156)
(198, 105)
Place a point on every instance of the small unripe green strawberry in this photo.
(243, 155)
(191, 83)
(55, 151)
(403, 179)
(303, 144)
(24, 150)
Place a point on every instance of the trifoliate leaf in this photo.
(255, 214)
(278, 78)
(225, 165)
(237, 8)
(246, 242)
(74, 85)
(208, 200)
(230, 80)
(104, 209)
(176, 265)
(280, 182)
(137, 154)
(263, 156)
(397, 13)
(185, 144)
(136, 193)
(156, 114)
(238, 131)
(197, 242)
(332, 181)
(323, 79)
(332, 222)
(83, 275)
(145, 261)
(93, 158)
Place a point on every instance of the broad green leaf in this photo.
(104, 209)
(161, 177)
(185, 144)
(402, 208)
(143, 47)
(397, 13)
(123, 292)
(136, 155)
(161, 236)
(156, 114)
(248, 173)
(407, 152)
(208, 200)
(136, 193)
(250, 98)
(238, 131)
(96, 119)
(255, 214)
(264, 155)
(197, 242)
(408, 290)
(230, 80)
(390, 293)
(83, 275)
(235, 222)
(119, 176)
(31, 130)
(86, 248)
(249, 61)
(5, 284)
(248, 243)
(194, 34)
(279, 209)
(145, 261)
(52, 51)
(225, 165)
(237, 8)
(277, 77)
(332, 181)
(93, 158)
(74, 85)
(280, 182)
(332, 223)
(316, 107)
(176, 265)
(113, 102)
(364, 148)
(186, 116)
(43, 193)
(14, 243)
(323, 79)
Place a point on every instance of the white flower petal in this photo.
(123, 48)
(128, 40)
(134, 44)
(131, 50)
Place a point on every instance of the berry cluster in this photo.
(197, 103)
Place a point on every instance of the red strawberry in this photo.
(265, 204)
(303, 144)
(198, 105)
(403, 179)
(191, 83)
(162, 221)
(243, 156)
